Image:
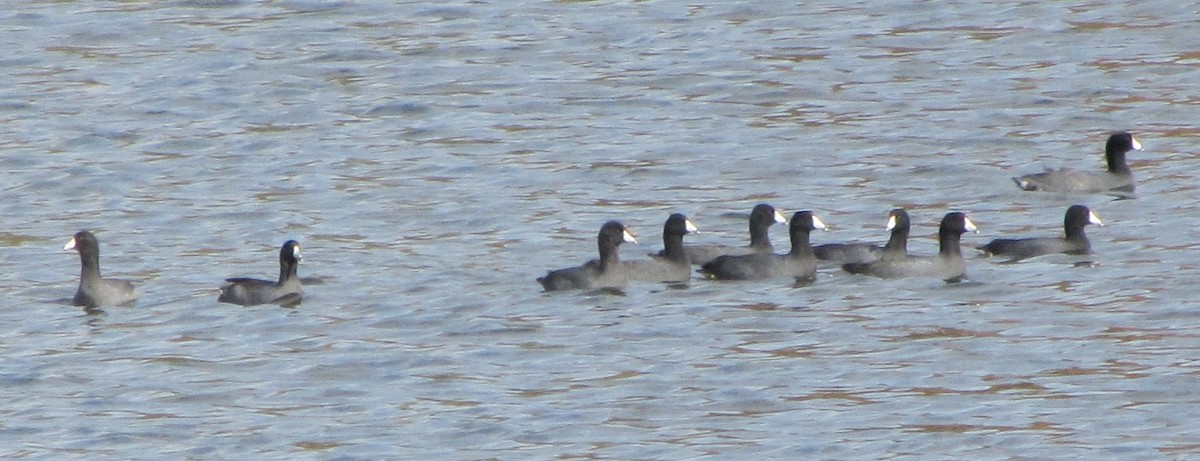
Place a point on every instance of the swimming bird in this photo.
(897, 245)
(94, 290)
(1117, 178)
(1074, 241)
(607, 272)
(286, 291)
(948, 265)
(799, 263)
(673, 264)
(761, 219)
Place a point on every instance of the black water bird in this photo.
(670, 265)
(1074, 240)
(761, 219)
(1117, 178)
(286, 291)
(799, 263)
(897, 245)
(96, 291)
(606, 272)
(948, 265)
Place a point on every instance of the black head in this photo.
(805, 221)
(1114, 151)
(615, 233)
(898, 219)
(1122, 142)
(956, 223)
(766, 215)
(84, 242)
(679, 224)
(1078, 216)
(290, 253)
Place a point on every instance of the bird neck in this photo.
(287, 270)
(608, 253)
(673, 244)
(898, 241)
(760, 236)
(949, 243)
(1116, 161)
(1076, 234)
(89, 269)
(800, 243)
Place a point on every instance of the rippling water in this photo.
(434, 158)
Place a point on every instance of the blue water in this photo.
(433, 159)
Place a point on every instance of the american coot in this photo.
(673, 265)
(799, 263)
(948, 264)
(1118, 178)
(897, 244)
(1074, 242)
(94, 290)
(761, 219)
(607, 272)
(285, 292)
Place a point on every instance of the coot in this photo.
(948, 264)
(607, 272)
(799, 263)
(94, 290)
(1074, 241)
(897, 244)
(672, 265)
(761, 219)
(1118, 177)
(286, 291)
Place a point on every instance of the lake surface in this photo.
(434, 158)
